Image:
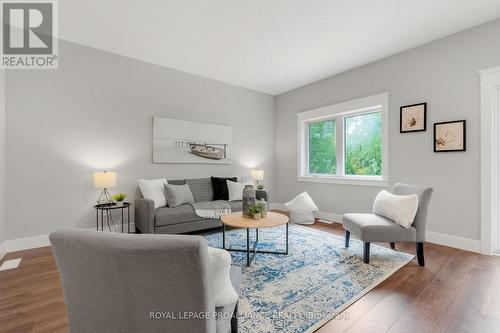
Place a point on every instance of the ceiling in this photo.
(271, 46)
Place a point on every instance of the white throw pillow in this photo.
(398, 208)
(154, 190)
(235, 190)
(302, 203)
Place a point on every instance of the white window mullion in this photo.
(340, 146)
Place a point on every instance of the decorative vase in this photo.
(248, 199)
(257, 216)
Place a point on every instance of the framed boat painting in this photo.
(180, 141)
(449, 136)
(413, 118)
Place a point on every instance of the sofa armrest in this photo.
(145, 215)
(219, 275)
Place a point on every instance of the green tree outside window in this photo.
(363, 145)
(323, 148)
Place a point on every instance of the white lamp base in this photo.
(302, 218)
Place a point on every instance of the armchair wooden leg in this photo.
(393, 245)
(420, 254)
(347, 237)
(366, 252)
(234, 320)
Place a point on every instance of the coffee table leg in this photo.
(223, 236)
(256, 234)
(286, 252)
(248, 247)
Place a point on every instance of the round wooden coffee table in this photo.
(237, 220)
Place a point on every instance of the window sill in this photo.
(357, 181)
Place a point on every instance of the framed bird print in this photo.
(449, 136)
(413, 118)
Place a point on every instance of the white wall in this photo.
(443, 74)
(95, 113)
(3, 228)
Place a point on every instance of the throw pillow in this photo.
(220, 187)
(154, 190)
(302, 203)
(398, 208)
(235, 190)
(178, 195)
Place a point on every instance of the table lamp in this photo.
(257, 176)
(104, 180)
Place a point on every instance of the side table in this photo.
(103, 212)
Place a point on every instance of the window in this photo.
(322, 148)
(363, 144)
(345, 143)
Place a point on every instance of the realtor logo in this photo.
(29, 39)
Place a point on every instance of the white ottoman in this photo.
(301, 209)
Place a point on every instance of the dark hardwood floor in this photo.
(457, 291)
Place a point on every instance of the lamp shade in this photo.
(104, 179)
(257, 174)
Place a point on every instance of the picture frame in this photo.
(413, 118)
(190, 142)
(450, 136)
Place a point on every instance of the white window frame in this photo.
(371, 104)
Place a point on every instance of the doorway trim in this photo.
(490, 159)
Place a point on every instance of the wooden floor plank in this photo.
(427, 307)
(478, 298)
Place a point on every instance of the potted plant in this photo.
(119, 197)
(265, 207)
(256, 211)
(260, 186)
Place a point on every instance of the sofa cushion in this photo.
(184, 213)
(220, 187)
(154, 190)
(178, 195)
(177, 181)
(201, 188)
(375, 228)
(235, 190)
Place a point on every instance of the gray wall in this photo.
(3, 228)
(95, 113)
(443, 74)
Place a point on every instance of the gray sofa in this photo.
(181, 219)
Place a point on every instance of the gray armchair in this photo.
(144, 283)
(374, 228)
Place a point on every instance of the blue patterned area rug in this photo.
(303, 290)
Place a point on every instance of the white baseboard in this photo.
(277, 206)
(20, 244)
(321, 215)
(328, 217)
(467, 244)
(3, 250)
(27, 243)
(457, 242)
